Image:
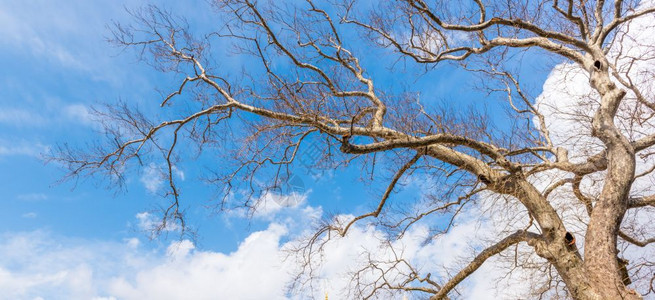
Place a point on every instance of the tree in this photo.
(310, 86)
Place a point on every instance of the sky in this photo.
(79, 239)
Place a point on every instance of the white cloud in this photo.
(179, 173)
(270, 203)
(56, 112)
(32, 197)
(79, 113)
(29, 215)
(40, 265)
(36, 265)
(132, 243)
(254, 271)
(21, 117)
(289, 198)
(150, 223)
(22, 147)
(152, 178)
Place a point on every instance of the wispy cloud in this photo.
(31, 27)
(27, 148)
(29, 215)
(57, 113)
(21, 117)
(270, 203)
(149, 222)
(32, 197)
(152, 178)
(78, 113)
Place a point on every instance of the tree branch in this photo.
(515, 238)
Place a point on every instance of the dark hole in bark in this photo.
(484, 179)
(570, 239)
(597, 65)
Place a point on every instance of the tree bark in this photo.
(601, 238)
(565, 258)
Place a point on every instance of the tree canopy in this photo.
(560, 178)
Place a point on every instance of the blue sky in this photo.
(56, 64)
(54, 68)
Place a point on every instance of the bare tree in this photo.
(306, 83)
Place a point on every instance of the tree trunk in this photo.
(600, 257)
(600, 241)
